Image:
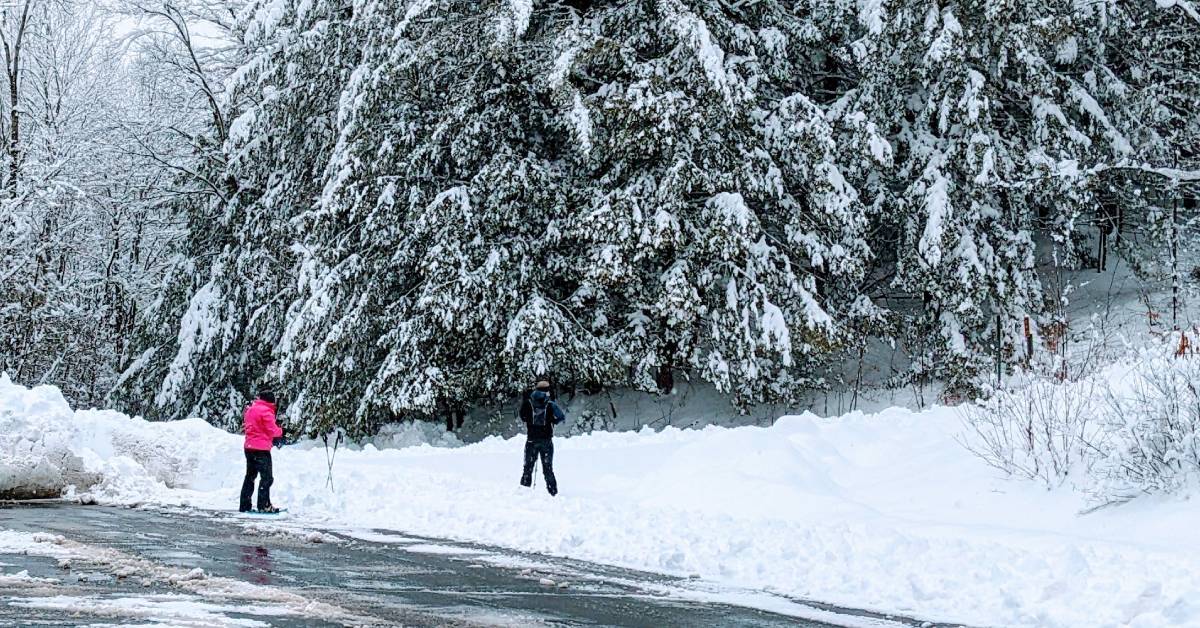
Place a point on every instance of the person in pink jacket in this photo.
(261, 432)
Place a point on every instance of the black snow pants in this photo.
(455, 416)
(543, 447)
(258, 463)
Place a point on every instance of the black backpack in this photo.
(538, 416)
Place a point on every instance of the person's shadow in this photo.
(256, 564)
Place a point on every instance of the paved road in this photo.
(138, 565)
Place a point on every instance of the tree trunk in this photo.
(14, 133)
(12, 63)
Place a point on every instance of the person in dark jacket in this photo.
(540, 415)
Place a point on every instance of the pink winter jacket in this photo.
(259, 424)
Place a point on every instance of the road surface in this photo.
(98, 566)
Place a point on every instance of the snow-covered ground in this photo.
(884, 511)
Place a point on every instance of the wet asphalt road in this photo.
(380, 580)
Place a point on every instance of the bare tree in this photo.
(14, 27)
(88, 221)
(194, 39)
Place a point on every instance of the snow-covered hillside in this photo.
(885, 511)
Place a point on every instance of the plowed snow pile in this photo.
(886, 511)
(46, 448)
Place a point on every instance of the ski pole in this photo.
(329, 457)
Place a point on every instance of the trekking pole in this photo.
(328, 462)
(330, 456)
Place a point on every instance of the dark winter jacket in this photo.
(540, 399)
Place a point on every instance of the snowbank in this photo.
(47, 448)
(885, 511)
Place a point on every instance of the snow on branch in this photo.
(1174, 174)
(1185, 5)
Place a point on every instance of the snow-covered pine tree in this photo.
(1150, 197)
(719, 226)
(994, 117)
(591, 191)
(226, 298)
(439, 265)
(439, 200)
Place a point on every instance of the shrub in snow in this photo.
(1154, 423)
(1039, 432)
(1131, 429)
(591, 420)
(412, 434)
(392, 436)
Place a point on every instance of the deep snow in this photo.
(884, 511)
